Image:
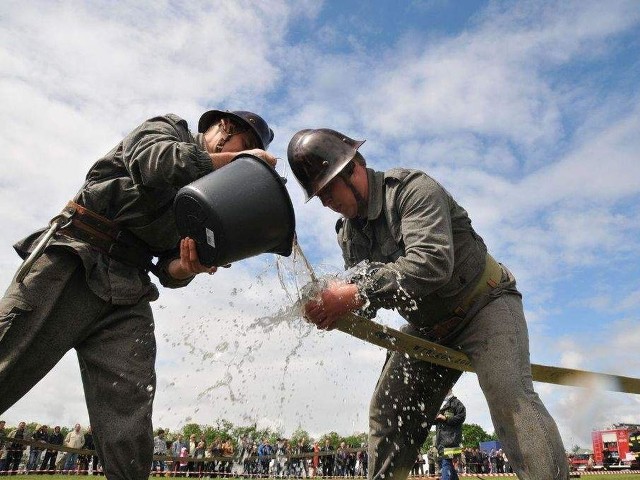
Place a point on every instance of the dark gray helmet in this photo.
(255, 122)
(317, 156)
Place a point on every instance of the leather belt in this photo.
(490, 278)
(106, 236)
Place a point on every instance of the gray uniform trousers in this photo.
(409, 394)
(54, 311)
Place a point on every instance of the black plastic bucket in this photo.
(236, 212)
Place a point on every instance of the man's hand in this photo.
(334, 301)
(263, 155)
(188, 264)
(440, 418)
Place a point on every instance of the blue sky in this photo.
(528, 112)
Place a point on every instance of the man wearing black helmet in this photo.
(89, 288)
(419, 255)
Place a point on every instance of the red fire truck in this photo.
(611, 448)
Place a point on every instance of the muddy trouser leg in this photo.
(405, 403)
(497, 342)
(54, 311)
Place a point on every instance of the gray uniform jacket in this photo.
(135, 184)
(424, 255)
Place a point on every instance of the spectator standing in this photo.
(199, 454)
(40, 435)
(3, 450)
(449, 435)
(342, 459)
(227, 452)
(418, 467)
(432, 458)
(315, 460)
(244, 445)
(328, 459)
(176, 450)
(49, 461)
(500, 461)
(74, 439)
(16, 449)
(264, 450)
(192, 445)
(303, 461)
(184, 464)
(159, 448)
(92, 458)
(280, 457)
(364, 460)
(216, 451)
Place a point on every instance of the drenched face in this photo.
(337, 196)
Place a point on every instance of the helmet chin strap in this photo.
(360, 201)
(227, 135)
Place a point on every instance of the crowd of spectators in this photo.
(16, 456)
(192, 456)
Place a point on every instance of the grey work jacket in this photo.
(424, 256)
(135, 184)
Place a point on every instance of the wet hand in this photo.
(263, 155)
(188, 264)
(333, 302)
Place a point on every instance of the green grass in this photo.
(619, 476)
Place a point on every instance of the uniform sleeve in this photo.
(162, 271)
(427, 263)
(161, 153)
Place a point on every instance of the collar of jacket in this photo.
(376, 194)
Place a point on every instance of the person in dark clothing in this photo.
(327, 460)
(412, 248)
(90, 289)
(449, 422)
(15, 450)
(40, 435)
(49, 461)
(3, 460)
(86, 460)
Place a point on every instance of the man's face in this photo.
(57, 429)
(21, 426)
(77, 427)
(337, 196)
(2, 424)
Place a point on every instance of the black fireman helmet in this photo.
(317, 156)
(255, 123)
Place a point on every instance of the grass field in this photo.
(616, 476)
